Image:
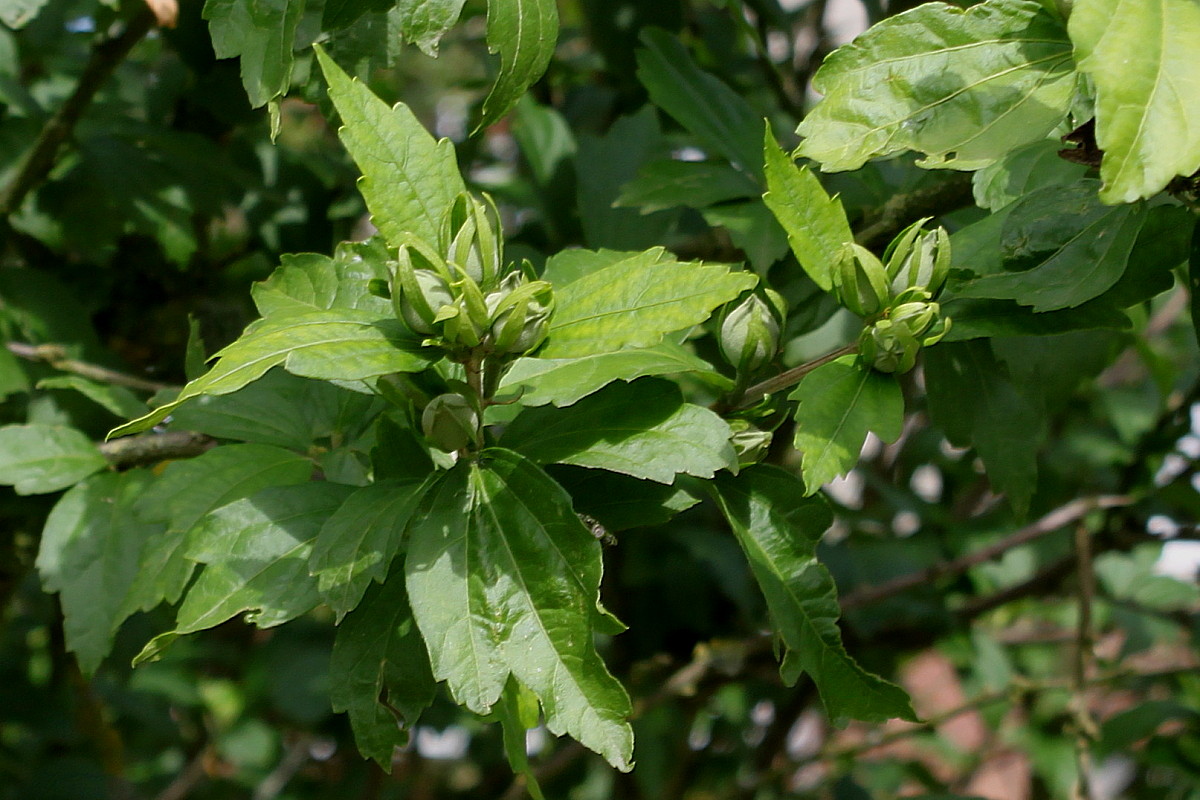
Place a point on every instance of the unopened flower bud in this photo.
(749, 442)
(450, 422)
(888, 347)
(749, 332)
(473, 242)
(419, 289)
(919, 259)
(520, 316)
(860, 281)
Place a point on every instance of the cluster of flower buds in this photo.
(465, 299)
(895, 295)
(749, 330)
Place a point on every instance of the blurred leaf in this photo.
(1061, 247)
(261, 33)
(1142, 62)
(339, 344)
(963, 86)
(720, 119)
(524, 33)
(518, 712)
(36, 459)
(1194, 277)
(1121, 732)
(188, 490)
(973, 401)
(378, 668)
(16, 14)
(503, 580)
(563, 381)
(13, 379)
(752, 229)
(697, 184)
(815, 223)
(255, 553)
(778, 529)
(338, 14)
(356, 545)
(409, 180)
(90, 554)
(116, 399)
(307, 281)
(634, 300)
(840, 403)
(641, 429)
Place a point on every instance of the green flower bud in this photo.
(521, 315)
(474, 246)
(919, 259)
(860, 281)
(749, 442)
(450, 422)
(749, 331)
(419, 289)
(888, 347)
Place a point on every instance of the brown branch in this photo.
(901, 210)
(151, 448)
(786, 379)
(1056, 519)
(189, 778)
(40, 159)
(1086, 729)
(56, 356)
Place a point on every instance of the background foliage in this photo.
(926, 476)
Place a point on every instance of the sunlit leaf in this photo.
(307, 281)
(261, 33)
(524, 33)
(36, 459)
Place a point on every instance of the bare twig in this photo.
(901, 210)
(294, 758)
(151, 448)
(190, 777)
(1056, 519)
(38, 162)
(56, 356)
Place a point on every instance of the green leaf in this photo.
(753, 229)
(1141, 58)
(13, 379)
(255, 553)
(424, 22)
(518, 712)
(379, 667)
(261, 33)
(37, 459)
(964, 87)
(840, 403)
(975, 403)
(1060, 247)
(619, 502)
(720, 119)
(356, 545)
(184, 494)
(339, 344)
(641, 429)
(504, 580)
(981, 319)
(815, 223)
(307, 281)
(339, 14)
(409, 180)
(779, 529)
(1194, 278)
(695, 184)
(524, 33)
(89, 553)
(16, 14)
(281, 409)
(563, 381)
(117, 400)
(1024, 170)
(634, 300)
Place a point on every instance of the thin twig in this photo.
(949, 194)
(787, 378)
(191, 776)
(1085, 726)
(1056, 519)
(40, 159)
(56, 356)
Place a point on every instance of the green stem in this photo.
(786, 379)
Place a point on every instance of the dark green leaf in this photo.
(815, 223)
(753, 229)
(1142, 61)
(338, 14)
(839, 404)
(964, 87)
(779, 529)
(524, 33)
(980, 319)
(619, 502)
(1023, 170)
(503, 580)
(720, 119)
(188, 490)
(261, 33)
(696, 184)
(1061, 247)
(36, 459)
(339, 344)
(975, 403)
(90, 554)
(518, 712)
(378, 657)
(641, 429)
(1194, 278)
(1162, 245)
(409, 180)
(255, 553)
(356, 545)
(563, 381)
(634, 300)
